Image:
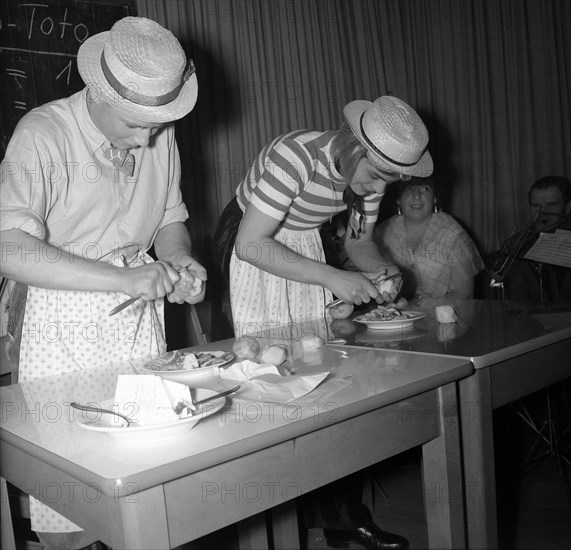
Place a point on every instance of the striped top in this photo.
(294, 180)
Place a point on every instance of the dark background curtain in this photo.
(491, 79)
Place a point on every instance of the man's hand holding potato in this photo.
(191, 287)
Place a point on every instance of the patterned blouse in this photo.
(445, 248)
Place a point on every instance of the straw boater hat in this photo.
(393, 133)
(141, 69)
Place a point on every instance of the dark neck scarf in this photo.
(356, 210)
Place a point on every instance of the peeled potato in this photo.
(342, 311)
(311, 341)
(274, 355)
(246, 347)
(188, 286)
(380, 282)
(197, 287)
(385, 286)
(445, 314)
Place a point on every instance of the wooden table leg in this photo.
(478, 456)
(7, 540)
(253, 533)
(285, 528)
(442, 477)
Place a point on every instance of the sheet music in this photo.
(552, 248)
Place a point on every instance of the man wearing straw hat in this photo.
(89, 183)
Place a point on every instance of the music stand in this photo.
(549, 248)
(552, 436)
(554, 249)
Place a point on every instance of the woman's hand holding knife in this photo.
(378, 279)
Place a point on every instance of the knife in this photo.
(217, 395)
(126, 303)
(182, 404)
(337, 302)
(123, 305)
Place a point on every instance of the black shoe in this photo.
(370, 537)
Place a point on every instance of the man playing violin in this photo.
(549, 200)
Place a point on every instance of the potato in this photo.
(445, 314)
(274, 355)
(246, 347)
(188, 285)
(378, 280)
(385, 286)
(311, 342)
(343, 327)
(446, 332)
(342, 311)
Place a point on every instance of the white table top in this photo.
(36, 416)
(487, 332)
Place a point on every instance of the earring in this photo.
(399, 211)
(436, 209)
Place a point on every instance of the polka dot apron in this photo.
(262, 301)
(68, 331)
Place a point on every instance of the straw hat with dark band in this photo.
(393, 133)
(139, 68)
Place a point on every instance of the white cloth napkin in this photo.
(263, 382)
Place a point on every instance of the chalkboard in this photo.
(39, 41)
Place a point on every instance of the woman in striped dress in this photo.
(272, 254)
(277, 271)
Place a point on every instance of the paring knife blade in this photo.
(123, 305)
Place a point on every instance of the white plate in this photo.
(191, 377)
(381, 336)
(162, 432)
(393, 324)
